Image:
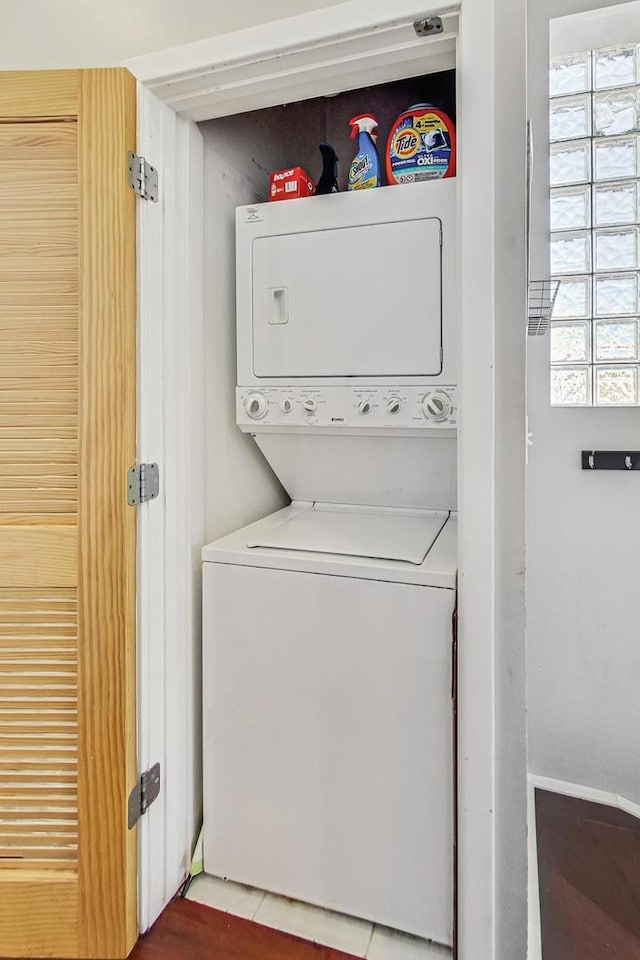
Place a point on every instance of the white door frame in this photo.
(326, 51)
(171, 528)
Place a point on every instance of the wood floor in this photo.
(589, 878)
(189, 931)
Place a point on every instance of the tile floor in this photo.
(357, 937)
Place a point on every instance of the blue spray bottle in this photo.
(364, 171)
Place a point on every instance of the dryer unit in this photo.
(347, 343)
(327, 639)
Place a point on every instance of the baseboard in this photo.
(582, 792)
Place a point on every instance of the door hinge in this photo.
(143, 794)
(143, 483)
(143, 178)
(428, 26)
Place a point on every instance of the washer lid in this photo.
(375, 532)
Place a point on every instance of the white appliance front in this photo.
(398, 471)
(382, 446)
(357, 287)
(328, 744)
(359, 301)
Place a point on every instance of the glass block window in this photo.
(594, 129)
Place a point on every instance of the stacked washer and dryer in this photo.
(328, 744)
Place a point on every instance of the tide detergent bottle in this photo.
(421, 146)
(364, 171)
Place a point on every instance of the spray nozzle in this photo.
(364, 123)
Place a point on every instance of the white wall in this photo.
(47, 34)
(583, 574)
(239, 485)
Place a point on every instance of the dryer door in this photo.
(361, 301)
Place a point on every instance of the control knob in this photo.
(394, 405)
(310, 405)
(364, 406)
(436, 406)
(256, 406)
(286, 405)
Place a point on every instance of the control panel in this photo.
(389, 406)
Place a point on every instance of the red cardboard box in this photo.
(290, 184)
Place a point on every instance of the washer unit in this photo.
(327, 639)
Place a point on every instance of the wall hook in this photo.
(611, 460)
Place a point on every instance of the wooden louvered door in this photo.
(67, 536)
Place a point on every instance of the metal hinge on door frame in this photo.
(143, 178)
(428, 26)
(143, 794)
(143, 483)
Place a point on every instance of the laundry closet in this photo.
(330, 586)
(361, 455)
